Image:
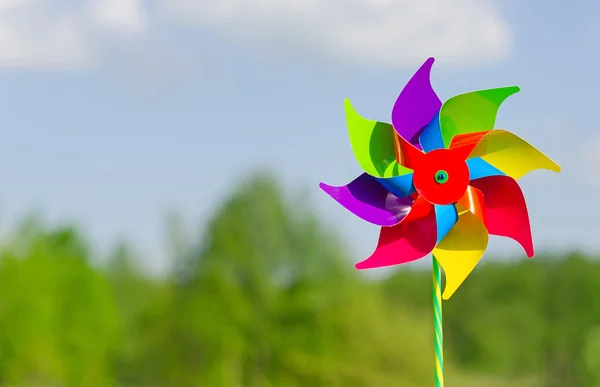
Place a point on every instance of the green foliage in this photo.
(268, 297)
(58, 319)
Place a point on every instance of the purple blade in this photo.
(369, 200)
(416, 105)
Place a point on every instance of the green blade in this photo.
(373, 145)
(472, 112)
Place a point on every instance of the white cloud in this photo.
(127, 17)
(29, 39)
(83, 33)
(383, 32)
(52, 34)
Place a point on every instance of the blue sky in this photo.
(115, 111)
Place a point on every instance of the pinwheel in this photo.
(438, 180)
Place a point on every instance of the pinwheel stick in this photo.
(438, 334)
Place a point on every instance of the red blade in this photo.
(407, 154)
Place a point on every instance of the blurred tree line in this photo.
(269, 298)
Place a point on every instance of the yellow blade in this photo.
(511, 154)
(460, 250)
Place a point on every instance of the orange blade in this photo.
(466, 142)
(473, 201)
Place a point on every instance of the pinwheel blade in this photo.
(407, 154)
(411, 239)
(472, 112)
(373, 145)
(511, 154)
(460, 251)
(446, 217)
(505, 210)
(431, 137)
(416, 105)
(479, 168)
(368, 200)
(463, 144)
(473, 201)
(400, 186)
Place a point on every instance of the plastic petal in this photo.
(472, 112)
(416, 105)
(479, 168)
(367, 199)
(473, 201)
(407, 154)
(400, 186)
(511, 154)
(463, 144)
(460, 251)
(446, 217)
(505, 210)
(411, 239)
(431, 137)
(373, 144)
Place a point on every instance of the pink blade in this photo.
(411, 239)
(505, 210)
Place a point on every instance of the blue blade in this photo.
(479, 168)
(445, 217)
(400, 186)
(431, 137)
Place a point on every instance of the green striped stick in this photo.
(438, 334)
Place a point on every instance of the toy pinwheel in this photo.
(438, 180)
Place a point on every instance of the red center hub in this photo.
(440, 191)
